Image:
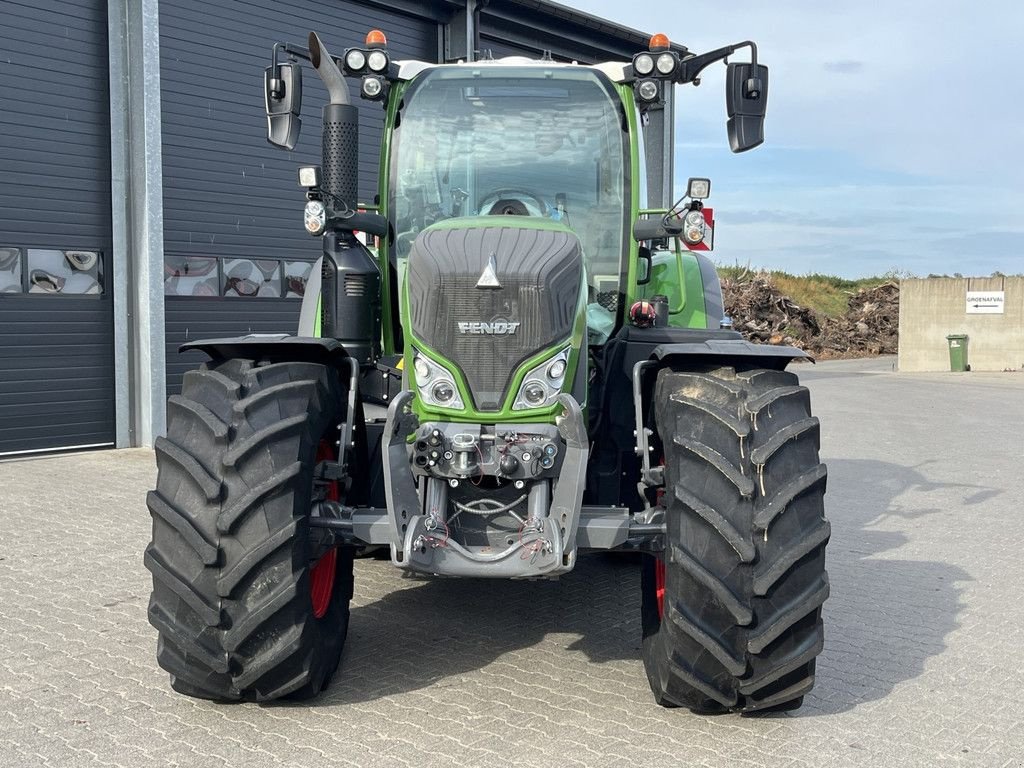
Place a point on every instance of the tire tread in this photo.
(745, 579)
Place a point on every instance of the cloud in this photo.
(890, 137)
(845, 67)
(926, 104)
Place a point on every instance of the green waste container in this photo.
(958, 352)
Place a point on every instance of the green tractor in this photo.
(504, 362)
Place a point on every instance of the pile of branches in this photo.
(869, 327)
(763, 314)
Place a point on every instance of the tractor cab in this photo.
(522, 138)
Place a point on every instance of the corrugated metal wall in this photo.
(56, 311)
(227, 192)
(518, 28)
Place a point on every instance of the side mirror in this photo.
(282, 86)
(746, 101)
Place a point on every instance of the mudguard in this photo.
(276, 347)
(767, 355)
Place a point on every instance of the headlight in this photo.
(693, 235)
(355, 60)
(666, 63)
(542, 384)
(435, 383)
(372, 87)
(648, 90)
(693, 227)
(443, 392)
(534, 393)
(377, 61)
(421, 368)
(314, 217)
(643, 64)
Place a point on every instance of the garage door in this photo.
(56, 311)
(236, 252)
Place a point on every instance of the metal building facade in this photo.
(235, 253)
(56, 305)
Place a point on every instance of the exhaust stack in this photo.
(340, 143)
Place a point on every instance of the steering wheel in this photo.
(511, 201)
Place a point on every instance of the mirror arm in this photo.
(296, 52)
(691, 67)
(292, 50)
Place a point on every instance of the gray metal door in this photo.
(234, 244)
(56, 311)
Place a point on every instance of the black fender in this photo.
(628, 367)
(772, 356)
(275, 347)
(702, 349)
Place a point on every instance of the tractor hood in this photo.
(489, 292)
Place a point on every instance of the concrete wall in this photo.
(934, 307)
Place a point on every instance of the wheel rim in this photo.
(321, 575)
(659, 585)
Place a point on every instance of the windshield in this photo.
(529, 141)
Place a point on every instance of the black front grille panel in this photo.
(540, 272)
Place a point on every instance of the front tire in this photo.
(732, 611)
(233, 598)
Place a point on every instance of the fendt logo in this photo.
(500, 328)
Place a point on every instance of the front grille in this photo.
(540, 272)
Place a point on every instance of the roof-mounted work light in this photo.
(648, 91)
(374, 88)
(373, 57)
(658, 61)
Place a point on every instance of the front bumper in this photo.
(546, 544)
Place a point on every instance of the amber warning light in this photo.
(376, 37)
(659, 42)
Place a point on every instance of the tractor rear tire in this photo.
(732, 611)
(239, 615)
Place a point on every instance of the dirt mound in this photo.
(763, 314)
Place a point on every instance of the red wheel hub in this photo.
(659, 564)
(321, 575)
(659, 585)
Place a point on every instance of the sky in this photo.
(894, 139)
